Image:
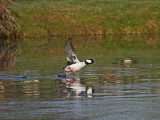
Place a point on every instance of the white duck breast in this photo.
(75, 67)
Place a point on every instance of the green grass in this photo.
(81, 17)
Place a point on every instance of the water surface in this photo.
(124, 84)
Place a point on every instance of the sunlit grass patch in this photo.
(57, 17)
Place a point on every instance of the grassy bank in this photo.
(65, 17)
(8, 24)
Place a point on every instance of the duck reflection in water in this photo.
(74, 87)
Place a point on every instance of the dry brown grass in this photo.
(7, 21)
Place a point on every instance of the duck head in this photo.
(89, 61)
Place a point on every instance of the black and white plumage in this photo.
(73, 63)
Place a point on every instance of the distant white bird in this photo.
(73, 63)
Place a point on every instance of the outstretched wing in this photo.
(70, 52)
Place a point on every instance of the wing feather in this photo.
(70, 52)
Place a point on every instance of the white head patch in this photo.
(89, 61)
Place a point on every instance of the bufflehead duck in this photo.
(73, 63)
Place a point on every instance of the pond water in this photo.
(123, 84)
